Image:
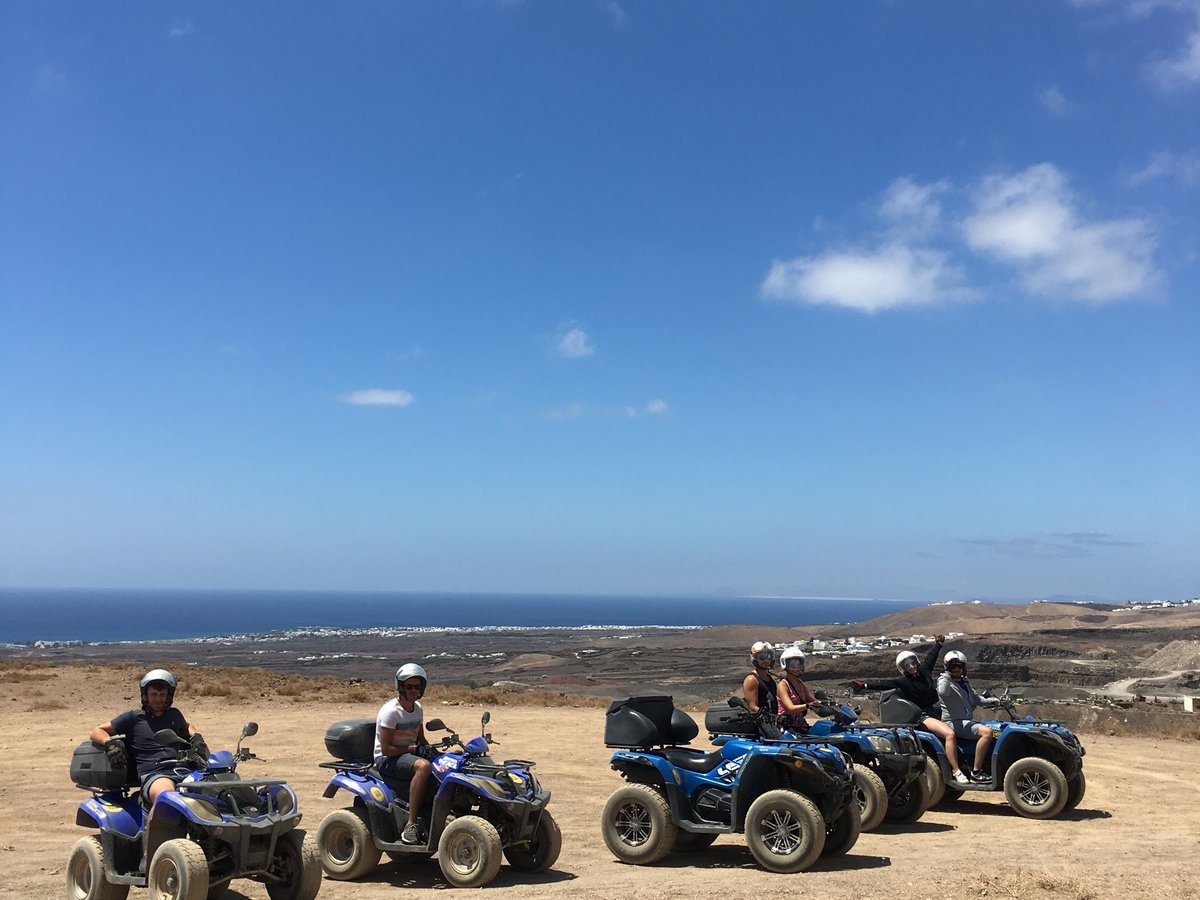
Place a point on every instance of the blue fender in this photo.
(370, 790)
(126, 818)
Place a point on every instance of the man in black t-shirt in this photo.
(130, 736)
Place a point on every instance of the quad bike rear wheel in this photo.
(541, 852)
(1076, 788)
(345, 845)
(469, 852)
(637, 825)
(871, 797)
(784, 831)
(85, 873)
(1036, 788)
(908, 803)
(178, 871)
(297, 862)
(934, 786)
(842, 831)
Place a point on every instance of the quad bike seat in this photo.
(693, 760)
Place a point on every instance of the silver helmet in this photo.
(902, 660)
(156, 676)
(407, 671)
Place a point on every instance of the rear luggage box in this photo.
(721, 718)
(90, 768)
(351, 740)
(638, 723)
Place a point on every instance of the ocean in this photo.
(104, 616)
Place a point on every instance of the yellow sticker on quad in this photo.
(376, 794)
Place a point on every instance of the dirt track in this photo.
(1136, 832)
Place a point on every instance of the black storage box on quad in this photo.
(721, 718)
(351, 740)
(641, 722)
(90, 767)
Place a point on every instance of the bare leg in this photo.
(416, 788)
(946, 733)
(981, 746)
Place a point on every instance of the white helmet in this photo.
(902, 659)
(761, 651)
(158, 676)
(790, 654)
(954, 656)
(407, 671)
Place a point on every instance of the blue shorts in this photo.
(966, 729)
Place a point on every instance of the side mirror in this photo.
(249, 729)
(168, 737)
(821, 695)
(487, 717)
(435, 725)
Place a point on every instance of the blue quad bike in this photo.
(213, 828)
(1038, 763)
(476, 812)
(793, 799)
(889, 764)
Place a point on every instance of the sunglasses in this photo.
(411, 685)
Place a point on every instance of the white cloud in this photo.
(893, 276)
(1055, 102)
(616, 13)
(575, 344)
(1030, 220)
(913, 209)
(178, 30)
(1181, 70)
(657, 407)
(378, 397)
(1184, 168)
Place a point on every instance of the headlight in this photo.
(201, 809)
(881, 744)
(285, 800)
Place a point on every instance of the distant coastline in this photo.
(109, 616)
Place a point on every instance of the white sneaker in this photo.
(961, 777)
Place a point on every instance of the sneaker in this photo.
(410, 835)
(980, 775)
(961, 777)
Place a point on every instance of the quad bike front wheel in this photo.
(871, 797)
(85, 873)
(345, 845)
(842, 831)
(469, 852)
(297, 866)
(1036, 788)
(178, 871)
(784, 831)
(542, 851)
(637, 825)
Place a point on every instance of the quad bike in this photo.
(1038, 763)
(214, 827)
(889, 763)
(477, 811)
(792, 799)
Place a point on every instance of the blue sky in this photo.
(886, 299)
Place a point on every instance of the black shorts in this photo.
(170, 770)
(398, 769)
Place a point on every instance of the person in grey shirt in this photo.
(959, 701)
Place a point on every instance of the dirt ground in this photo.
(1137, 832)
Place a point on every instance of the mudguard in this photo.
(126, 818)
(372, 791)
